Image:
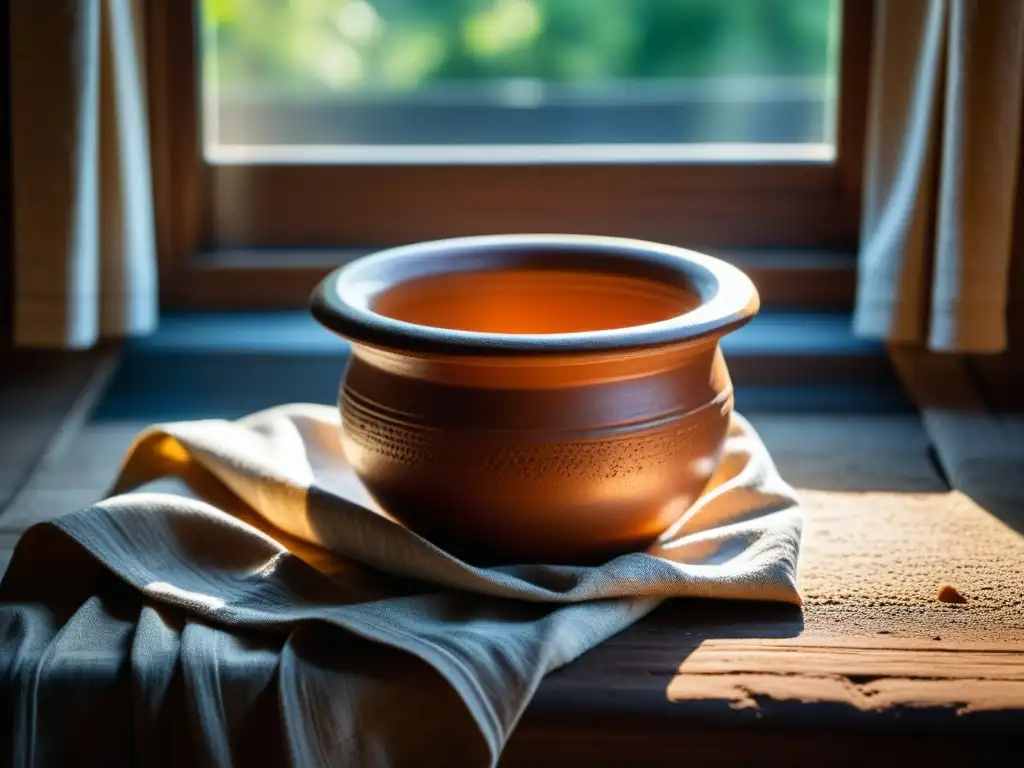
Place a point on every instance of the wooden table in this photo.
(874, 666)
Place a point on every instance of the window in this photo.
(396, 81)
(290, 132)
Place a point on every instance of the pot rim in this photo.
(343, 300)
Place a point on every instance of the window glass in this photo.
(435, 79)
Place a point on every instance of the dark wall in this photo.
(6, 228)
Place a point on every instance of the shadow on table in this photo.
(996, 484)
(632, 671)
(612, 705)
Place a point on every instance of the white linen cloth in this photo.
(281, 582)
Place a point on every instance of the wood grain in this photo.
(869, 657)
(869, 676)
(700, 206)
(37, 391)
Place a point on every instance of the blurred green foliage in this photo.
(332, 45)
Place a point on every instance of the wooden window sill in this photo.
(283, 278)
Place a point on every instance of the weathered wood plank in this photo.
(44, 398)
(857, 657)
(743, 690)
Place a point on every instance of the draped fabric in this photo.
(941, 175)
(84, 244)
(278, 615)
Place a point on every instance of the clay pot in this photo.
(535, 398)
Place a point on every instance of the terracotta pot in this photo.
(535, 398)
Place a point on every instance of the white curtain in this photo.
(943, 154)
(84, 263)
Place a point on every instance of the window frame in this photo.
(261, 235)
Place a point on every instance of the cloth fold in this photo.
(278, 597)
(941, 191)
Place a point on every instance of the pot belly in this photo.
(525, 475)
